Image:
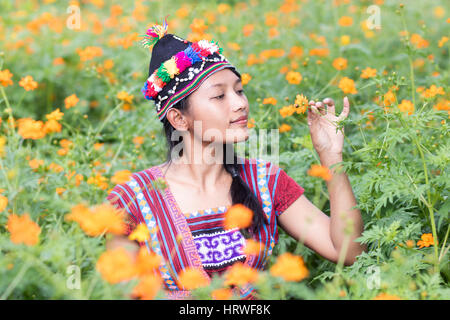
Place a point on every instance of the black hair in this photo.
(240, 191)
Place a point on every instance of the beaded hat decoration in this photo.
(178, 67)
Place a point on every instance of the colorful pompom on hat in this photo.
(178, 67)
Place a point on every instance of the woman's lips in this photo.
(244, 121)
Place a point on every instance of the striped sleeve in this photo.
(120, 198)
(285, 190)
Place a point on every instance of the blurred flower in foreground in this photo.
(427, 240)
(148, 287)
(385, 296)
(116, 265)
(192, 278)
(238, 216)
(23, 229)
(289, 267)
(140, 233)
(320, 171)
(100, 219)
(222, 294)
(28, 83)
(147, 262)
(121, 176)
(31, 129)
(406, 106)
(240, 274)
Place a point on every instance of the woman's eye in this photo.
(219, 97)
(241, 91)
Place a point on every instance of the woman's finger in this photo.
(330, 105)
(313, 114)
(345, 110)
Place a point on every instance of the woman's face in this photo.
(218, 102)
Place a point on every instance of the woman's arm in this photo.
(321, 233)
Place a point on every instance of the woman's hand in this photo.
(322, 123)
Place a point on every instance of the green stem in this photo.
(15, 281)
(9, 110)
(443, 244)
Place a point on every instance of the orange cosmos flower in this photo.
(320, 171)
(89, 53)
(345, 21)
(238, 216)
(31, 129)
(406, 106)
(294, 77)
(289, 267)
(442, 41)
(320, 52)
(3, 202)
(116, 265)
(427, 240)
(100, 219)
(442, 105)
(5, 78)
(295, 52)
(98, 180)
(301, 103)
(340, 63)
(247, 30)
(287, 111)
(222, 294)
(252, 247)
(191, 278)
(148, 287)
(347, 85)
(71, 101)
(55, 115)
(368, 73)
(418, 41)
(124, 96)
(223, 8)
(284, 128)
(240, 274)
(385, 296)
(147, 262)
(198, 26)
(28, 83)
(246, 78)
(121, 176)
(271, 20)
(52, 126)
(433, 91)
(23, 229)
(270, 100)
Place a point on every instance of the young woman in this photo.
(199, 96)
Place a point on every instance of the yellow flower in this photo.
(23, 229)
(116, 265)
(238, 216)
(294, 77)
(340, 63)
(320, 171)
(140, 233)
(301, 104)
(289, 267)
(345, 40)
(192, 278)
(28, 83)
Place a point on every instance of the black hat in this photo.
(178, 67)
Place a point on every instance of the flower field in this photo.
(74, 123)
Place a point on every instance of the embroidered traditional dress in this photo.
(198, 239)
